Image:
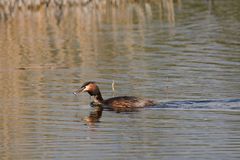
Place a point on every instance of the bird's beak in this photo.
(80, 90)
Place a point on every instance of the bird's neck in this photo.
(98, 98)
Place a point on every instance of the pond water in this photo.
(183, 54)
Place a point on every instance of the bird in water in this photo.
(121, 103)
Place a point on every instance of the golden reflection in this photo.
(51, 26)
(40, 35)
(62, 33)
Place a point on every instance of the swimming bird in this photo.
(114, 103)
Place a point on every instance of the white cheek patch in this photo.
(87, 88)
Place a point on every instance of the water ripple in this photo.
(218, 104)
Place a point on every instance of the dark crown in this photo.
(87, 83)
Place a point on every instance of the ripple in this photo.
(219, 104)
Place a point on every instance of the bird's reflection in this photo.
(97, 109)
(94, 115)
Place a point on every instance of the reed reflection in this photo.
(46, 35)
(91, 8)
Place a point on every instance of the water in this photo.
(184, 55)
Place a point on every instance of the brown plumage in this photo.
(115, 102)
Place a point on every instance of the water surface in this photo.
(183, 54)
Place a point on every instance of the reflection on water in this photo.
(184, 54)
(91, 11)
(94, 115)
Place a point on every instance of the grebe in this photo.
(114, 103)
